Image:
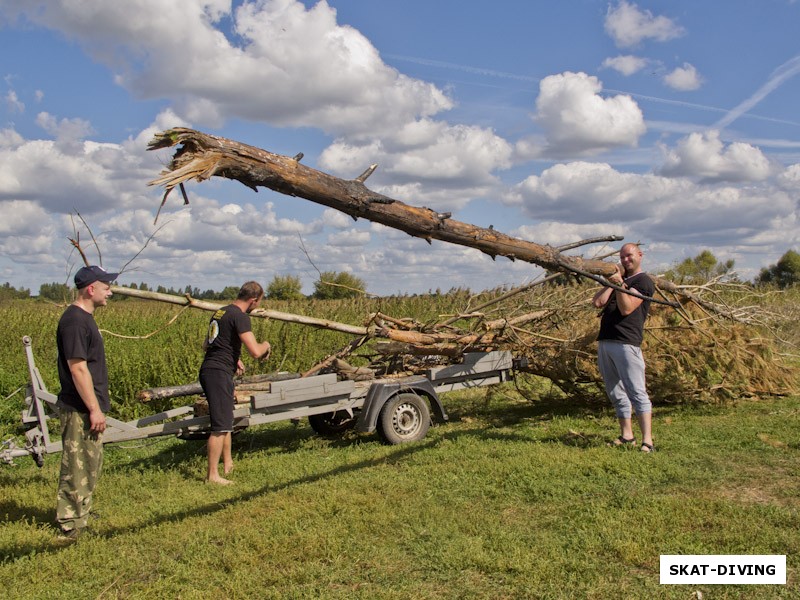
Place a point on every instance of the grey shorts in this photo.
(622, 368)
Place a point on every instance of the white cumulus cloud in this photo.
(577, 119)
(425, 162)
(684, 79)
(653, 207)
(703, 155)
(628, 25)
(284, 64)
(627, 64)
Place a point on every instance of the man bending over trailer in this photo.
(228, 329)
(83, 400)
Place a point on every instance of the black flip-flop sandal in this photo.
(649, 447)
(621, 441)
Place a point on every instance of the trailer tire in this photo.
(404, 418)
(333, 423)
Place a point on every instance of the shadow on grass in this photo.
(13, 511)
(182, 456)
(27, 549)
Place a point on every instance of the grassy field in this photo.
(510, 499)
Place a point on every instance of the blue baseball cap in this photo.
(88, 275)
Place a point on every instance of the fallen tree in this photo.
(689, 355)
(554, 337)
(202, 156)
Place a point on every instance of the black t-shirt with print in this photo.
(223, 343)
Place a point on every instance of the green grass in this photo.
(510, 499)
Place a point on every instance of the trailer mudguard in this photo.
(379, 393)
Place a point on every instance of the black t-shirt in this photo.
(627, 329)
(77, 336)
(223, 343)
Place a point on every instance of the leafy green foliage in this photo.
(8, 292)
(785, 273)
(333, 285)
(284, 287)
(229, 293)
(698, 270)
(57, 292)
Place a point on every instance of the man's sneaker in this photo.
(73, 534)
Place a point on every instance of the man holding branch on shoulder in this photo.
(619, 353)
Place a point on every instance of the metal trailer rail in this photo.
(398, 408)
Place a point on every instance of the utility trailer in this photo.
(400, 409)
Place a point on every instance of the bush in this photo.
(285, 287)
(333, 286)
(785, 273)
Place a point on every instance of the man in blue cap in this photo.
(83, 399)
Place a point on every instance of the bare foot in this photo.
(219, 480)
(227, 470)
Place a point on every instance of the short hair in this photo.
(631, 245)
(250, 290)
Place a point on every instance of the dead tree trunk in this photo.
(262, 313)
(202, 156)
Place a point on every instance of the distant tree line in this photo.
(785, 273)
(698, 270)
(334, 285)
(8, 292)
(705, 266)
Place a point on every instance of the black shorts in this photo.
(218, 388)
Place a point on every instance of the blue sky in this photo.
(674, 124)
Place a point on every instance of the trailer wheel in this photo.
(333, 423)
(404, 418)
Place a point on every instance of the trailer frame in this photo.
(400, 409)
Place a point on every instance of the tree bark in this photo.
(202, 156)
(261, 313)
(251, 382)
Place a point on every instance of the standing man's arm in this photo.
(257, 350)
(79, 369)
(602, 297)
(625, 302)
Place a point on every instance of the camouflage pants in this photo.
(81, 461)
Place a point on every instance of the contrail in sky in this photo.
(446, 65)
(781, 74)
(786, 71)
